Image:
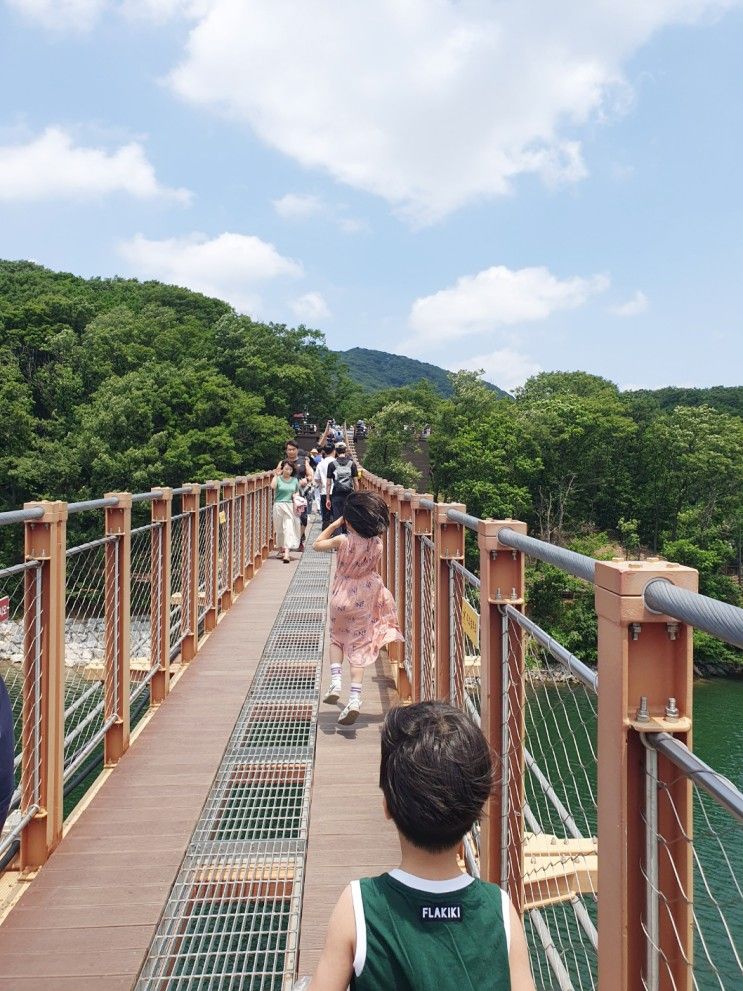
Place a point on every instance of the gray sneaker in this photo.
(350, 714)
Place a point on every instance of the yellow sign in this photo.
(222, 517)
(470, 622)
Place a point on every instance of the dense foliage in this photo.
(115, 384)
(586, 466)
(376, 370)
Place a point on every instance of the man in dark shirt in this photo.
(343, 479)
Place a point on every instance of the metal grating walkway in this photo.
(232, 919)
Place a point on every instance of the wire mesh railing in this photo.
(89, 619)
(408, 615)
(21, 631)
(427, 630)
(698, 866)
(90, 609)
(181, 538)
(145, 605)
(207, 517)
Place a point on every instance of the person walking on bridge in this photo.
(300, 461)
(342, 480)
(285, 486)
(363, 615)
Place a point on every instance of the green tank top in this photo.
(409, 938)
(285, 489)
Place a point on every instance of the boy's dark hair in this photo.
(291, 443)
(291, 464)
(367, 513)
(329, 448)
(436, 773)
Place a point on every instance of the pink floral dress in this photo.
(363, 617)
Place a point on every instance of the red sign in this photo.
(4, 609)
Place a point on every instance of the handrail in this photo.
(471, 522)
(579, 565)
(21, 515)
(82, 507)
(720, 619)
(716, 785)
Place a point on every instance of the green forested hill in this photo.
(377, 370)
(726, 399)
(113, 383)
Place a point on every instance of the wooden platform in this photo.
(86, 921)
(349, 836)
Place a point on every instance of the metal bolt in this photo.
(642, 715)
(635, 629)
(672, 710)
(513, 592)
(498, 594)
(493, 555)
(673, 630)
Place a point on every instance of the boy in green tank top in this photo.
(425, 926)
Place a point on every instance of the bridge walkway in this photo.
(87, 920)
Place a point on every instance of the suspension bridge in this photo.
(170, 659)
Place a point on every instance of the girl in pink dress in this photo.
(363, 616)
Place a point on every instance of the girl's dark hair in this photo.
(367, 513)
(291, 464)
(436, 773)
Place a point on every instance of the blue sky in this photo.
(510, 186)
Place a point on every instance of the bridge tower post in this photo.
(644, 805)
(190, 573)
(449, 541)
(42, 767)
(406, 605)
(267, 525)
(502, 582)
(117, 656)
(211, 569)
(397, 587)
(251, 529)
(422, 526)
(228, 548)
(160, 584)
(241, 512)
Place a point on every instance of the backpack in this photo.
(343, 477)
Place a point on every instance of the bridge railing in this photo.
(91, 634)
(580, 771)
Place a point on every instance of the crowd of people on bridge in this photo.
(318, 481)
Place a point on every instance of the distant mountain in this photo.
(376, 370)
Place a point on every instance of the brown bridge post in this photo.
(642, 655)
(502, 580)
(117, 633)
(42, 765)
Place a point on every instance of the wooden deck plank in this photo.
(113, 872)
(349, 836)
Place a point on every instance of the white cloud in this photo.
(311, 306)
(466, 96)
(634, 306)
(230, 266)
(307, 206)
(298, 206)
(52, 167)
(505, 368)
(498, 297)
